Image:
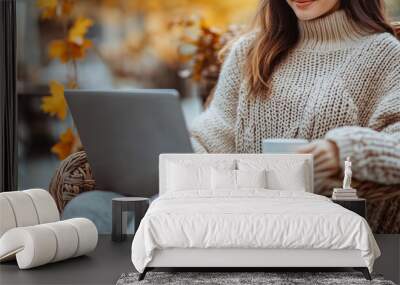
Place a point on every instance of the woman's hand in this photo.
(326, 158)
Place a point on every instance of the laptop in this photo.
(123, 133)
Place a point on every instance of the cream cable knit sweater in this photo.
(339, 83)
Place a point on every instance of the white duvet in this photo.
(250, 219)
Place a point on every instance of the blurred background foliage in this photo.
(393, 9)
(123, 44)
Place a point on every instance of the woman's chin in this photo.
(304, 16)
(307, 10)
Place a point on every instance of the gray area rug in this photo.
(269, 278)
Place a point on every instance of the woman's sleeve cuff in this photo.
(197, 147)
(346, 139)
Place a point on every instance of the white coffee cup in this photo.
(282, 145)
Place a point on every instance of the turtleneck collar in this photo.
(334, 31)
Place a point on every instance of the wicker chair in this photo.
(74, 176)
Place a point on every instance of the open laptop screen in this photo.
(123, 133)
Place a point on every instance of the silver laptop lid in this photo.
(123, 133)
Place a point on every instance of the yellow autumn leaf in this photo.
(66, 51)
(55, 103)
(58, 49)
(66, 144)
(48, 8)
(51, 8)
(79, 29)
(47, 4)
(67, 6)
(78, 51)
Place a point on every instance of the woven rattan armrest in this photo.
(383, 203)
(72, 177)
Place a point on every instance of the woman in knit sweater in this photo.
(324, 70)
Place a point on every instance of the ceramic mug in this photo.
(282, 145)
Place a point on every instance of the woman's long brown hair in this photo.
(278, 32)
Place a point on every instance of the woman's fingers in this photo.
(325, 166)
(325, 171)
(309, 148)
(325, 157)
(320, 156)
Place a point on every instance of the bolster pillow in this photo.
(26, 208)
(40, 244)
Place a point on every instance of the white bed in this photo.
(250, 227)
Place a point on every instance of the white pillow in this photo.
(186, 174)
(285, 174)
(293, 180)
(251, 178)
(223, 179)
(183, 178)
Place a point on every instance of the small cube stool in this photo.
(120, 209)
